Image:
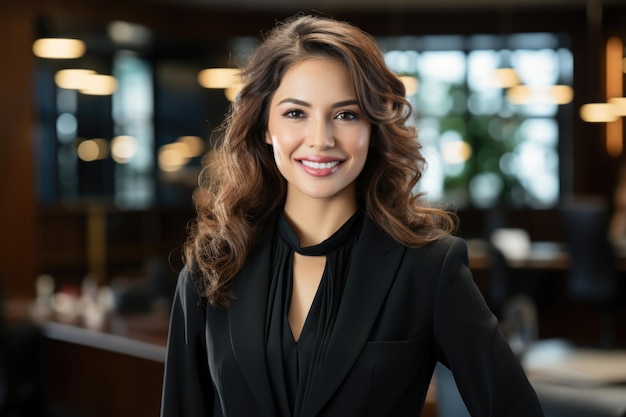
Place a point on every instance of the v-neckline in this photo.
(314, 295)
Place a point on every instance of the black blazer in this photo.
(402, 311)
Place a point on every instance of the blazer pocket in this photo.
(394, 368)
(390, 361)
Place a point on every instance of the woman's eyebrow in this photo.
(294, 101)
(350, 102)
(306, 104)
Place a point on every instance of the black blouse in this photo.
(293, 364)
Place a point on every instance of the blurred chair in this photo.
(592, 276)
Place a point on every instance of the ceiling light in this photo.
(218, 77)
(58, 48)
(549, 94)
(99, 85)
(619, 105)
(598, 112)
(72, 79)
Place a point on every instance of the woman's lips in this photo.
(320, 168)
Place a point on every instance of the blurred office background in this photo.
(520, 107)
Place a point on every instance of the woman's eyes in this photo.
(342, 115)
(294, 114)
(347, 115)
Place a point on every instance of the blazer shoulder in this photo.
(448, 249)
(449, 243)
(188, 285)
(385, 243)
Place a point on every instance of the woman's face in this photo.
(320, 136)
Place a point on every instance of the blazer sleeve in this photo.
(489, 376)
(187, 386)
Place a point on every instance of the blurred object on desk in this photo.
(577, 382)
(514, 243)
(519, 323)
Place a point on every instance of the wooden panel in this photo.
(18, 247)
(90, 382)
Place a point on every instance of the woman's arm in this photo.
(488, 374)
(187, 386)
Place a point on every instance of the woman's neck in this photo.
(315, 220)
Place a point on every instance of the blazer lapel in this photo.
(375, 261)
(247, 315)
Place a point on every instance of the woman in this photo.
(317, 283)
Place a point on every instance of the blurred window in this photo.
(488, 140)
(133, 145)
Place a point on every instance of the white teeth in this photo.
(320, 165)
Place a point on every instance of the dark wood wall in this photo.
(18, 207)
(27, 232)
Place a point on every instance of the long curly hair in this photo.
(241, 188)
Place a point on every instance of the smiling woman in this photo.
(316, 282)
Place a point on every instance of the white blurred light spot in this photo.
(123, 148)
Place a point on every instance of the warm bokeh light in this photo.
(411, 84)
(172, 156)
(99, 85)
(72, 79)
(562, 94)
(598, 112)
(505, 78)
(456, 152)
(552, 94)
(86, 81)
(231, 92)
(59, 48)
(218, 77)
(93, 149)
(194, 146)
(123, 148)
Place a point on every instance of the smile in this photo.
(319, 165)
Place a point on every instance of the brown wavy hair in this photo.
(241, 188)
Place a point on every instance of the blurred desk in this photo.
(578, 382)
(542, 255)
(116, 370)
(123, 335)
(569, 401)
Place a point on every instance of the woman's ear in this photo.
(268, 138)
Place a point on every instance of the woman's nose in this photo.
(320, 135)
